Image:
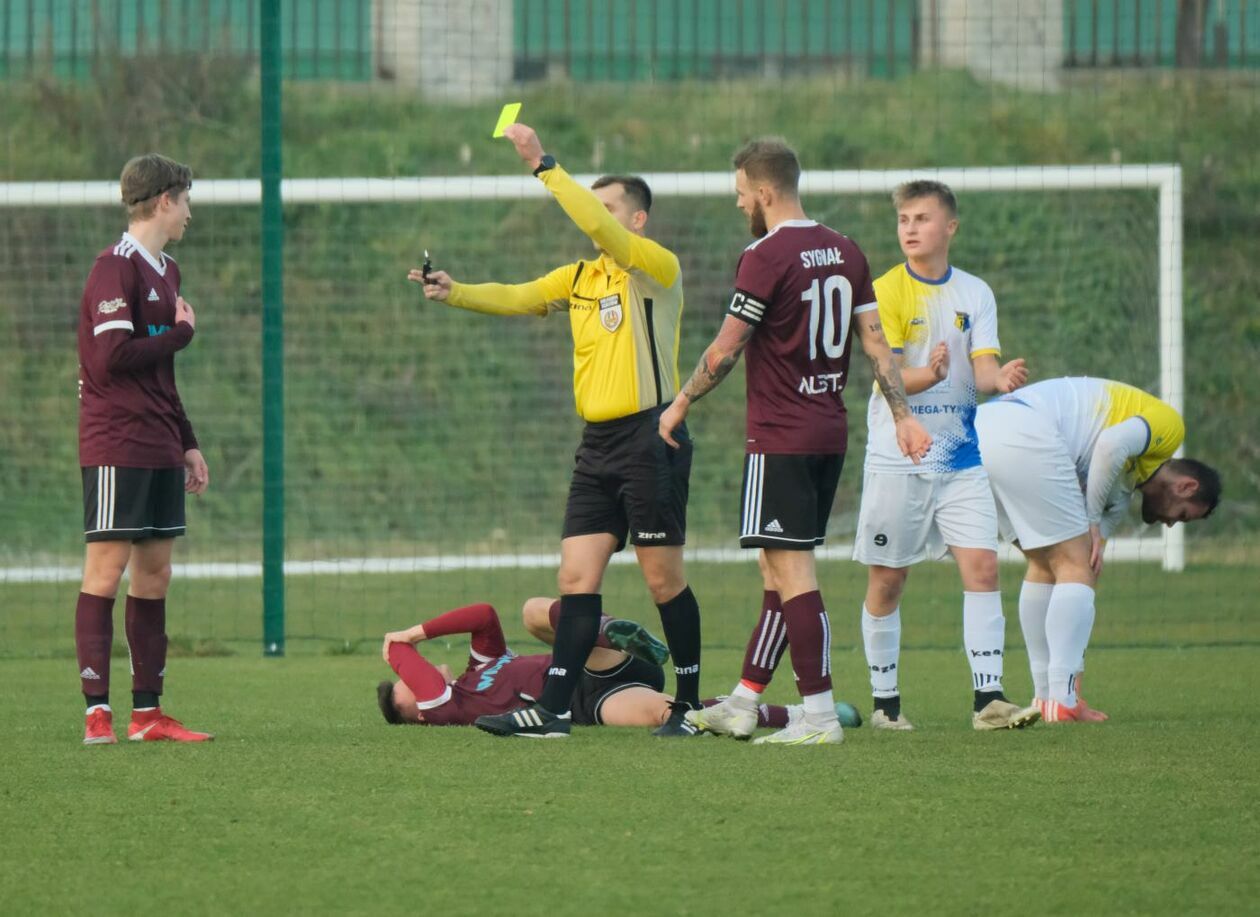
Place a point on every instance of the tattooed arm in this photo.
(912, 439)
(718, 359)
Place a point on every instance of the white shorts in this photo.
(906, 518)
(1035, 484)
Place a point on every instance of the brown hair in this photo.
(912, 190)
(385, 700)
(146, 177)
(771, 160)
(634, 187)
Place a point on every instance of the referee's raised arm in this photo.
(629, 248)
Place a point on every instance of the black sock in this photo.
(576, 632)
(890, 705)
(680, 619)
(983, 698)
(142, 699)
(94, 700)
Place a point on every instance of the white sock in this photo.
(1069, 620)
(1034, 602)
(745, 695)
(820, 708)
(104, 707)
(882, 639)
(984, 638)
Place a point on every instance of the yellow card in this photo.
(506, 117)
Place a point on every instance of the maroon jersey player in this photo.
(620, 684)
(137, 449)
(800, 289)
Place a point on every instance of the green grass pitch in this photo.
(308, 802)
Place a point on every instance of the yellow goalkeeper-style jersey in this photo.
(1083, 407)
(625, 309)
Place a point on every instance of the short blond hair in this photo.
(146, 177)
(913, 190)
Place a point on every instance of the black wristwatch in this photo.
(547, 162)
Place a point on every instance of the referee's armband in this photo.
(747, 307)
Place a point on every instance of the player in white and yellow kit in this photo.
(942, 322)
(1064, 457)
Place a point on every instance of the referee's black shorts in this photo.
(787, 500)
(630, 483)
(131, 504)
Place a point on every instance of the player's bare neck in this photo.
(151, 235)
(933, 267)
(782, 211)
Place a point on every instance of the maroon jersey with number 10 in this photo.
(800, 285)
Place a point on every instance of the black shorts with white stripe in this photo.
(594, 688)
(131, 504)
(787, 500)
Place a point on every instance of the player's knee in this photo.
(151, 582)
(102, 572)
(885, 584)
(573, 580)
(981, 573)
(535, 615)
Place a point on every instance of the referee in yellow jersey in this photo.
(625, 308)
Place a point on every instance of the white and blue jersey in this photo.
(917, 313)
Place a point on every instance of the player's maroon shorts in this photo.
(131, 504)
(787, 500)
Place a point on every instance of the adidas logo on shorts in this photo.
(773, 526)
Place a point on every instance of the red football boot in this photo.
(154, 726)
(100, 727)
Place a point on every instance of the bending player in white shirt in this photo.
(1064, 457)
(942, 322)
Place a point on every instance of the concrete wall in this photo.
(455, 50)
(1014, 42)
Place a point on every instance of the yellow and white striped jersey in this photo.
(625, 309)
(917, 314)
(1083, 407)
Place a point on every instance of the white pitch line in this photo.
(1123, 550)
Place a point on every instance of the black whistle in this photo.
(426, 267)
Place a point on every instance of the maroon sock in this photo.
(93, 639)
(553, 615)
(767, 643)
(772, 716)
(146, 636)
(809, 633)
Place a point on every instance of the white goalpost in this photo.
(1162, 178)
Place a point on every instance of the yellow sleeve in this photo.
(1168, 431)
(891, 312)
(633, 252)
(549, 293)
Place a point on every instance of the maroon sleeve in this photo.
(187, 438)
(754, 289)
(128, 354)
(480, 620)
(418, 674)
(864, 290)
(109, 300)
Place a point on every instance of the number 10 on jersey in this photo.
(831, 296)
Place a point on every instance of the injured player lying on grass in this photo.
(620, 683)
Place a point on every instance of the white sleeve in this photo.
(1114, 515)
(1115, 446)
(984, 324)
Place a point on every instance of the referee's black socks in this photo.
(576, 632)
(680, 618)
